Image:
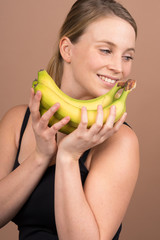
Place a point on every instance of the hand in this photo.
(45, 136)
(83, 138)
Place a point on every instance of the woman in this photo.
(76, 186)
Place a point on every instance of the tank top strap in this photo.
(125, 123)
(82, 160)
(23, 127)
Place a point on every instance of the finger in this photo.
(99, 117)
(34, 107)
(96, 127)
(84, 118)
(111, 118)
(44, 120)
(57, 126)
(119, 123)
(31, 97)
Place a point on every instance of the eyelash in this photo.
(107, 51)
(128, 58)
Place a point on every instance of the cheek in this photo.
(127, 69)
(93, 62)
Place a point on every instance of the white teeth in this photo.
(107, 79)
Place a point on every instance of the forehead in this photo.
(113, 29)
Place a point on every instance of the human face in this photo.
(102, 56)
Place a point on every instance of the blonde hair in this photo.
(81, 14)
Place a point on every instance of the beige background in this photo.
(28, 32)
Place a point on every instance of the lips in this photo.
(107, 79)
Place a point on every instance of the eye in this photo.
(106, 51)
(127, 58)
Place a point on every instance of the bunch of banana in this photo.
(91, 104)
(52, 94)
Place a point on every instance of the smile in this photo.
(106, 79)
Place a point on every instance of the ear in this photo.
(65, 48)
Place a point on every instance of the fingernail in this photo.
(38, 92)
(57, 104)
(67, 118)
(99, 106)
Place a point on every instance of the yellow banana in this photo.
(65, 129)
(49, 98)
(91, 104)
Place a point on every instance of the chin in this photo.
(102, 92)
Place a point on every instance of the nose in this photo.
(115, 64)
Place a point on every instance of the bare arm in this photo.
(74, 217)
(16, 186)
(96, 211)
(112, 179)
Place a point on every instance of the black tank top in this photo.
(36, 219)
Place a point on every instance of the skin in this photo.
(94, 56)
(96, 211)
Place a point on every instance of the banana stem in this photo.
(128, 87)
(115, 89)
(111, 94)
(124, 95)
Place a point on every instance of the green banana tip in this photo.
(34, 83)
(41, 72)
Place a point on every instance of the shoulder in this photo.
(120, 150)
(14, 115)
(10, 126)
(125, 137)
(12, 120)
(15, 112)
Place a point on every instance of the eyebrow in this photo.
(114, 45)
